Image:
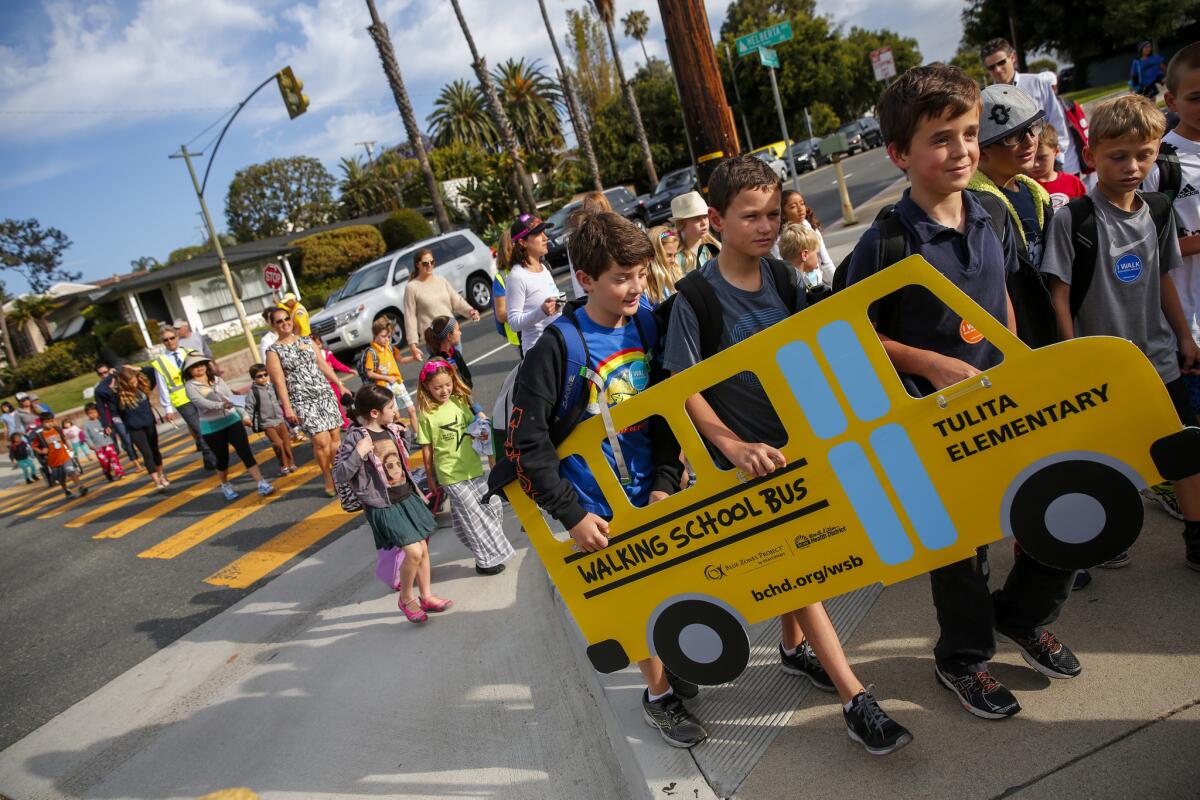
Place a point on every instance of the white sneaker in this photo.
(229, 492)
(265, 488)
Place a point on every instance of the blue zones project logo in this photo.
(1128, 268)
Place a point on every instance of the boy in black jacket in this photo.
(610, 255)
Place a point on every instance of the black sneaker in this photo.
(980, 694)
(675, 723)
(681, 686)
(874, 730)
(1082, 579)
(496, 570)
(805, 663)
(1191, 541)
(1117, 561)
(83, 490)
(1045, 653)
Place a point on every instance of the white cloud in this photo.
(38, 172)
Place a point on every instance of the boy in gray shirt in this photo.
(1130, 292)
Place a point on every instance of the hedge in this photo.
(339, 252)
(60, 361)
(127, 339)
(404, 227)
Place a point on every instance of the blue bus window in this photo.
(913, 486)
(845, 355)
(871, 503)
(814, 394)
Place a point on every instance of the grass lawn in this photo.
(1084, 95)
(69, 394)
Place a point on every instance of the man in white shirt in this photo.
(1000, 61)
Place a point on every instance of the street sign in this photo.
(883, 64)
(764, 38)
(273, 277)
(768, 57)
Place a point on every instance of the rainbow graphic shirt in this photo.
(619, 358)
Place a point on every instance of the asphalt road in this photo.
(94, 587)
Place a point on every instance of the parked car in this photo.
(861, 135)
(673, 184)
(622, 201)
(775, 163)
(806, 156)
(377, 289)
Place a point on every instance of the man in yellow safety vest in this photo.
(299, 313)
(171, 394)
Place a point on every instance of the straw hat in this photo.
(193, 358)
(687, 206)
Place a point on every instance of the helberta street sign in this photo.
(766, 37)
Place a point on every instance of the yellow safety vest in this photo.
(509, 333)
(172, 378)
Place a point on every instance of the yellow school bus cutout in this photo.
(1051, 446)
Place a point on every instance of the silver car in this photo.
(378, 288)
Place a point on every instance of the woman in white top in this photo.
(531, 292)
(797, 211)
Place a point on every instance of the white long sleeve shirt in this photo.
(1039, 87)
(526, 291)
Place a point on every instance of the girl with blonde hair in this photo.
(664, 270)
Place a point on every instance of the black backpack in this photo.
(707, 306)
(1170, 173)
(1036, 324)
(1083, 237)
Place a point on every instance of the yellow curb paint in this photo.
(280, 549)
(160, 509)
(203, 530)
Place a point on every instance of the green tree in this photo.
(594, 73)
(859, 89)
(457, 160)
(1042, 65)
(360, 192)
(967, 59)
(744, 16)
(460, 115)
(617, 148)
(34, 308)
(282, 194)
(607, 9)
(531, 99)
(34, 253)
(187, 253)
(637, 25)
(824, 120)
(145, 264)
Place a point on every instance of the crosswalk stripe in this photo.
(280, 549)
(204, 529)
(130, 476)
(173, 501)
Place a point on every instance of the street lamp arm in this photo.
(213, 155)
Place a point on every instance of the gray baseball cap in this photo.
(1005, 109)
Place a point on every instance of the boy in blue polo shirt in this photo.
(930, 118)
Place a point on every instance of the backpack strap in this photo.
(256, 421)
(781, 275)
(997, 211)
(1170, 173)
(707, 308)
(1083, 238)
(1160, 209)
(893, 246)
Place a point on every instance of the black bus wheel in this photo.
(1076, 514)
(701, 642)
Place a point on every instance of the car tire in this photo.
(637, 220)
(1075, 513)
(701, 641)
(479, 292)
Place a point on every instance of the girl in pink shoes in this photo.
(372, 465)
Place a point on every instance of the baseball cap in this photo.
(526, 225)
(1005, 109)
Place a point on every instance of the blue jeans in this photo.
(123, 438)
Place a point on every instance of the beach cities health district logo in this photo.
(1000, 114)
(1128, 268)
(968, 333)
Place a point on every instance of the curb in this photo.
(838, 225)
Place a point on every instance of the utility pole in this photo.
(707, 116)
(738, 94)
(368, 147)
(220, 251)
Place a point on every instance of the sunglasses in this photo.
(428, 262)
(280, 320)
(1033, 131)
(996, 65)
(168, 338)
(259, 375)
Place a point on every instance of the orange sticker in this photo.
(968, 333)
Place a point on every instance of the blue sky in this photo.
(95, 95)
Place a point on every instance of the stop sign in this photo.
(273, 276)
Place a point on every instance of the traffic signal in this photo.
(289, 88)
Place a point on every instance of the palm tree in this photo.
(5, 297)
(32, 307)
(582, 137)
(525, 189)
(362, 190)
(383, 43)
(531, 100)
(607, 11)
(460, 115)
(637, 25)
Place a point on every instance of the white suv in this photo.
(378, 288)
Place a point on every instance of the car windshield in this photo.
(558, 219)
(617, 197)
(367, 279)
(675, 180)
(849, 129)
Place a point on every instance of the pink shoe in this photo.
(435, 608)
(413, 616)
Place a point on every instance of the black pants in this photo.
(968, 614)
(191, 417)
(146, 442)
(220, 441)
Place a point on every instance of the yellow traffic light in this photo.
(289, 87)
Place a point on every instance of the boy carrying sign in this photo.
(736, 418)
